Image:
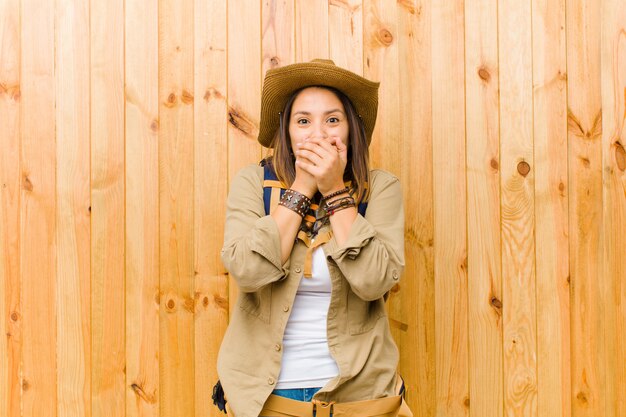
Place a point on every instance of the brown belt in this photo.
(395, 406)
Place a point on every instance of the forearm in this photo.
(288, 223)
(341, 223)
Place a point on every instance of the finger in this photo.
(312, 156)
(317, 148)
(329, 145)
(338, 143)
(307, 166)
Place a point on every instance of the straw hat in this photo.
(280, 83)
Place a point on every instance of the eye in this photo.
(302, 121)
(333, 119)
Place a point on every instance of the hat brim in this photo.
(281, 83)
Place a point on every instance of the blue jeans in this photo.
(299, 394)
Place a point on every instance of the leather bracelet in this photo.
(296, 202)
(339, 204)
(340, 201)
(326, 197)
(334, 210)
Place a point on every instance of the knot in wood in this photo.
(26, 184)
(523, 168)
(187, 97)
(385, 37)
(484, 74)
(620, 156)
(496, 303)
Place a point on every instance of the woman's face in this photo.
(317, 113)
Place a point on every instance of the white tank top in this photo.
(306, 360)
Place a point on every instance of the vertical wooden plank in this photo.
(517, 208)
(345, 34)
(107, 208)
(277, 37)
(244, 91)
(277, 34)
(551, 225)
(585, 207)
(210, 190)
(381, 64)
(10, 322)
(311, 30)
(613, 56)
(176, 197)
(411, 305)
(450, 208)
(73, 208)
(38, 246)
(483, 209)
(141, 73)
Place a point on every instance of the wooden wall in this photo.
(121, 123)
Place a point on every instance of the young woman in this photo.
(315, 241)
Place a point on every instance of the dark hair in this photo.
(357, 167)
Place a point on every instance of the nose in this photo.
(318, 131)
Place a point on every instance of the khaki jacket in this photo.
(362, 271)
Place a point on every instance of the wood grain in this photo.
(585, 208)
(72, 215)
(142, 208)
(244, 93)
(277, 38)
(107, 206)
(613, 81)
(345, 34)
(176, 200)
(483, 209)
(10, 191)
(210, 140)
(551, 208)
(311, 30)
(380, 45)
(37, 314)
(450, 208)
(412, 303)
(517, 209)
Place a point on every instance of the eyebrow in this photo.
(306, 113)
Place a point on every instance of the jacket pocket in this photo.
(363, 315)
(257, 303)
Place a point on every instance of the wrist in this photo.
(333, 190)
(302, 189)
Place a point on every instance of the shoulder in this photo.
(381, 179)
(251, 174)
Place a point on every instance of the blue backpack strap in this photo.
(362, 208)
(273, 189)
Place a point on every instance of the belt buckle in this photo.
(323, 408)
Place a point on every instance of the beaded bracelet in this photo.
(326, 197)
(295, 201)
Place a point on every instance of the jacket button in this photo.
(277, 347)
(270, 381)
(286, 309)
(298, 269)
(395, 275)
